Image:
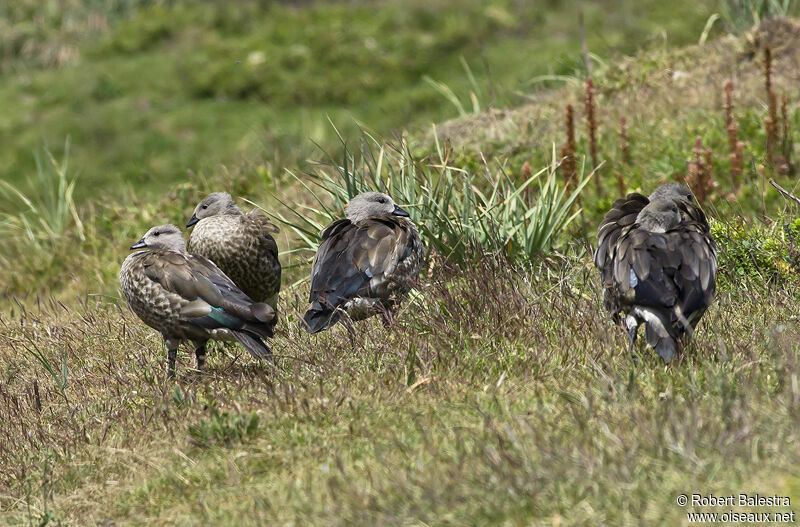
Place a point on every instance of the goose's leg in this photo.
(200, 353)
(172, 355)
(347, 322)
(387, 317)
(633, 328)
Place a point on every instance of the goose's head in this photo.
(162, 237)
(371, 204)
(212, 205)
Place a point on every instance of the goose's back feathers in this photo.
(665, 269)
(665, 280)
(361, 264)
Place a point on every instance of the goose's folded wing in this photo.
(213, 300)
(676, 268)
(263, 229)
(697, 277)
(642, 266)
(622, 214)
(351, 255)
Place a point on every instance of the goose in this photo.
(622, 214)
(663, 275)
(186, 297)
(240, 244)
(365, 264)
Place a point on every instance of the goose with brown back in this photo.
(186, 297)
(365, 264)
(240, 244)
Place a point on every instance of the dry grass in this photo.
(475, 406)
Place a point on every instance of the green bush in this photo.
(764, 254)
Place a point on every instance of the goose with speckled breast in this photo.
(240, 244)
(186, 297)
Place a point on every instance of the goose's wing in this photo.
(212, 299)
(674, 271)
(264, 229)
(350, 258)
(622, 215)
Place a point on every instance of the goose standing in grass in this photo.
(622, 214)
(663, 275)
(186, 297)
(240, 244)
(365, 263)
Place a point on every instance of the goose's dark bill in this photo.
(400, 212)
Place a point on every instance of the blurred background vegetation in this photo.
(152, 93)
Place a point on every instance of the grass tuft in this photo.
(47, 214)
(461, 215)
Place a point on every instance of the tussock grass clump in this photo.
(46, 215)
(460, 214)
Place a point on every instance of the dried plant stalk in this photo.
(771, 121)
(701, 174)
(784, 163)
(591, 123)
(526, 175)
(624, 142)
(734, 150)
(569, 166)
(620, 183)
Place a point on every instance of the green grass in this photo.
(165, 90)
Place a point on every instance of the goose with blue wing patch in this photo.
(186, 297)
(365, 264)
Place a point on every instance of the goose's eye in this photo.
(156, 233)
(381, 200)
(204, 207)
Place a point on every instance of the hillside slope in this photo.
(667, 96)
(502, 395)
